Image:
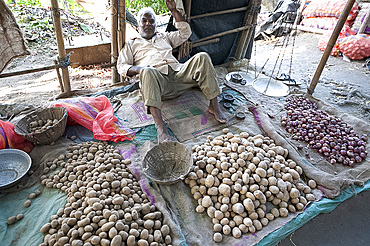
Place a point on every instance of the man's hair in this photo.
(144, 11)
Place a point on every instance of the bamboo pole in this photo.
(251, 19)
(114, 41)
(255, 11)
(299, 12)
(193, 45)
(187, 8)
(218, 13)
(330, 45)
(224, 33)
(184, 47)
(60, 42)
(256, 7)
(211, 41)
(4, 75)
(243, 36)
(58, 75)
(121, 27)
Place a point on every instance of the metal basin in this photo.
(14, 164)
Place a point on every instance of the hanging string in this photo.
(255, 59)
(263, 67)
(284, 48)
(291, 57)
(277, 59)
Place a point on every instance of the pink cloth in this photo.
(9, 139)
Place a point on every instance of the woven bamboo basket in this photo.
(51, 134)
(167, 162)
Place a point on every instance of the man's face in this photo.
(147, 26)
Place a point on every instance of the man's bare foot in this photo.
(214, 108)
(162, 133)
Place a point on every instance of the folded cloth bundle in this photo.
(9, 139)
(96, 114)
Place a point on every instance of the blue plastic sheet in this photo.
(27, 231)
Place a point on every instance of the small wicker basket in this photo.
(49, 135)
(167, 162)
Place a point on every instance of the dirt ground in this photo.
(40, 88)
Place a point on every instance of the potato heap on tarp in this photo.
(105, 204)
(236, 176)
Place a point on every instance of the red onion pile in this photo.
(333, 138)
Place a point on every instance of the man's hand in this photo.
(170, 4)
(134, 70)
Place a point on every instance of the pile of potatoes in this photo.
(105, 204)
(38, 126)
(243, 182)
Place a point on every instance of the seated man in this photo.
(161, 76)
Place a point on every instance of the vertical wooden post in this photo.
(299, 12)
(121, 27)
(59, 77)
(187, 8)
(244, 39)
(366, 21)
(114, 43)
(60, 43)
(330, 45)
(243, 36)
(184, 48)
(121, 24)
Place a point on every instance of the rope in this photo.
(66, 61)
(184, 50)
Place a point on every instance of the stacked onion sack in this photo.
(105, 204)
(333, 138)
(243, 182)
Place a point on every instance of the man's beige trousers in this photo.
(198, 71)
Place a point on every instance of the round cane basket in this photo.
(51, 134)
(167, 162)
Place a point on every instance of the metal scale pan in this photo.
(270, 87)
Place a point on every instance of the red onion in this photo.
(332, 137)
